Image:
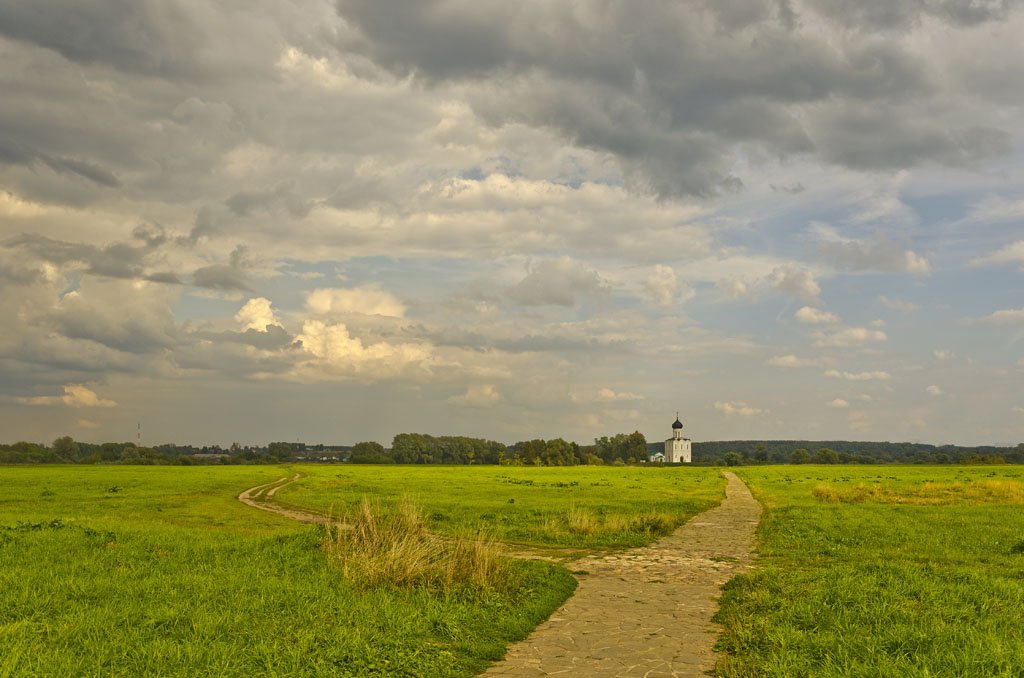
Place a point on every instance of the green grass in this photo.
(126, 571)
(881, 571)
(580, 507)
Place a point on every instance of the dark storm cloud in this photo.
(230, 277)
(141, 36)
(221, 277)
(140, 330)
(14, 153)
(677, 91)
(130, 261)
(117, 260)
(15, 271)
(865, 138)
(166, 277)
(903, 14)
(283, 196)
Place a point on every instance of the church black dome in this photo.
(677, 423)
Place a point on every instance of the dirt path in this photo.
(262, 496)
(647, 611)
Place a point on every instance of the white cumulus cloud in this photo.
(814, 316)
(367, 300)
(604, 395)
(877, 375)
(331, 347)
(738, 408)
(607, 395)
(934, 390)
(257, 315)
(883, 255)
(1009, 316)
(558, 282)
(897, 304)
(791, 360)
(838, 403)
(734, 288)
(850, 337)
(75, 395)
(664, 287)
(479, 395)
(789, 280)
(799, 283)
(1012, 253)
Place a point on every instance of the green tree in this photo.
(800, 456)
(826, 456)
(732, 459)
(635, 447)
(65, 448)
(559, 452)
(530, 452)
(621, 447)
(280, 451)
(369, 452)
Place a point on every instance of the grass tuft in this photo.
(395, 548)
(581, 521)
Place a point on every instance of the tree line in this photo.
(751, 452)
(66, 450)
(420, 448)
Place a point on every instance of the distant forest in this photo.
(418, 448)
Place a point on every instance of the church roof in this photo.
(677, 424)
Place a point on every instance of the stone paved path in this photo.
(647, 611)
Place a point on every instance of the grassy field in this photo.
(124, 571)
(579, 507)
(881, 571)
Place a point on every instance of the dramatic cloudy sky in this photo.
(336, 221)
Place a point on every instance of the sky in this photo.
(227, 221)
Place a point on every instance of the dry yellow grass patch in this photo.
(979, 492)
(582, 521)
(396, 548)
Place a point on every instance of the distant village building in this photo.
(678, 450)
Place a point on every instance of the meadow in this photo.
(133, 570)
(563, 507)
(881, 571)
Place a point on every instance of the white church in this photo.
(678, 450)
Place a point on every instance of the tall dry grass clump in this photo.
(581, 521)
(395, 548)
